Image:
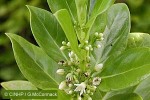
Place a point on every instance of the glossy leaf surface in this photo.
(115, 34)
(99, 7)
(18, 85)
(143, 89)
(47, 32)
(130, 96)
(64, 19)
(56, 5)
(37, 67)
(127, 70)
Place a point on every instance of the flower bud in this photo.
(88, 59)
(87, 74)
(102, 38)
(91, 93)
(96, 81)
(78, 70)
(93, 88)
(100, 34)
(89, 98)
(86, 42)
(98, 46)
(61, 62)
(99, 67)
(62, 85)
(88, 91)
(60, 71)
(87, 48)
(91, 49)
(70, 92)
(68, 44)
(79, 98)
(62, 48)
(69, 63)
(71, 54)
(96, 34)
(75, 23)
(80, 46)
(63, 43)
(70, 85)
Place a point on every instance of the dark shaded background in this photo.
(14, 18)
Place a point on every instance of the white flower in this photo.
(60, 71)
(69, 77)
(80, 87)
(62, 48)
(98, 67)
(62, 85)
(71, 54)
(98, 46)
(96, 81)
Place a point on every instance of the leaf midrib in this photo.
(50, 36)
(36, 62)
(121, 73)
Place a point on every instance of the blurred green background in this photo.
(14, 18)
(140, 15)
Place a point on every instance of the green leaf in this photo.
(63, 96)
(34, 64)
(138, 40)
(25, 85)
(115, 34)
(18, 85)
(143, 89)
(130, 96)
(64, 19)
(99, 7)
(99, 24)
(91, 4)
(47, 32)
(125, 79)
(122, 91)
(129, 59)
(81, 6)
(97, 95)
(56, 5)
(126, 70)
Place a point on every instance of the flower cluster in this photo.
(80, 83)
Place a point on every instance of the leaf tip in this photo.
(8, 35)
(3, 84)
